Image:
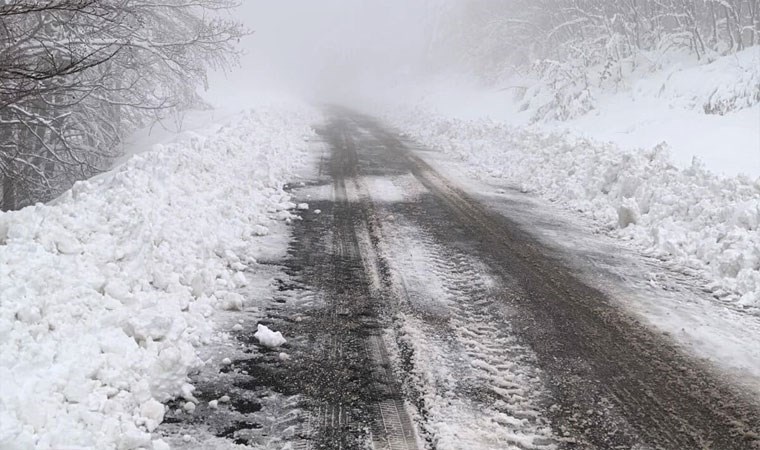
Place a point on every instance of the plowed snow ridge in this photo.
(106, 293)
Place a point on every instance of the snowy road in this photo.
(421, 319)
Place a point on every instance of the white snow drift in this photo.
(105, 293)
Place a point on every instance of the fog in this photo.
(542, 214)
(327, 50)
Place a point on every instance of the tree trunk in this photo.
(714, 25)
(754, 20)
(8, 200)
(728, 28)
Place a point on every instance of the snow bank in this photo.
(106, 292)
(690, 215)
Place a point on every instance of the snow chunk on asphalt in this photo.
(269, 338)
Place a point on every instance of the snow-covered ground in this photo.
(668, 106)
(108, 293)
(701, 220)
(659, 184)
(649, 108)
(672, 299)
(646, 168)
(691, 216)
(476, 347)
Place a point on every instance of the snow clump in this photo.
(269, 338)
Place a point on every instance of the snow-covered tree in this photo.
(598, 31)
(76, 75)
(574, 46)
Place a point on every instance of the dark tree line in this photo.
(77, 75)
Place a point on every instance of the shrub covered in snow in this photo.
(562, 93)
(106, 292)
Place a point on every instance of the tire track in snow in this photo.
(615, 383)
(476, 386)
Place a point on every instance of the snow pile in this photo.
(689, 215)
(269, 338)
(106, 292)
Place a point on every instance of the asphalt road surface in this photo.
(426, 320)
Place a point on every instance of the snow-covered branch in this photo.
(76, 75)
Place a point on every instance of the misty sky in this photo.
(326, 48)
